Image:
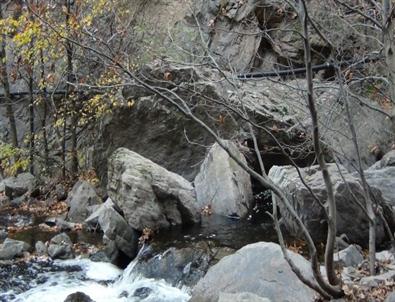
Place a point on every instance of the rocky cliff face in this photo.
(157, 130)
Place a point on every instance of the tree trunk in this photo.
(74, 116)
(45, 110)
(31, 122)
(389, 50)
(6, 86)
(331, 203)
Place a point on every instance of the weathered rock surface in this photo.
(386, 256)
(10, 249)
(351, 256)
(375, 281)
(17, 186)
(223, 184)
(180, 266)
(232, 27)
(116, 229)
(3, 235)
(382, 176)
(41, 249)
(80, 200)
(149, 195)
(61, 247)
(351, 220)
(241, 297)
(93, 220)
(176, 142)
(259, 269)
(229, 20)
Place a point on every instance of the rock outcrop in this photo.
(351, 220)
(81, 201)
(149, 195)
(223, 184)
(177, 143)
(258, 269)
(233, 27)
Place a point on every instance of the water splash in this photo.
(103, 282)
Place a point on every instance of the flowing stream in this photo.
(42, 280)
(103, 282)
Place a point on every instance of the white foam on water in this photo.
(103, 282)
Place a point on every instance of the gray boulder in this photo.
(12, 248)
(259, 269)
(19, 185)
(388, 160)
(149, 195)
(41, 248)
(80, 199)
(118, 234)
(4, 200)
(382, 176)
(351, 220)
(61, 247)
(93, 220)
(241, 297)
(3, 235)
(116, 229)
(385, 256)
(376, 280)
(223, 184)
(351, 256)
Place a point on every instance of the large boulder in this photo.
(351, 219)
(61, 247)
(81, 200)
(382, 176)
(116, 229)
(259, 269)
(241, 297)
(17, 186)
(118, 235)
(12, 248)
(223, 184)
(149, 195)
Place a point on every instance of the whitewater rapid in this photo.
(103, 282)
